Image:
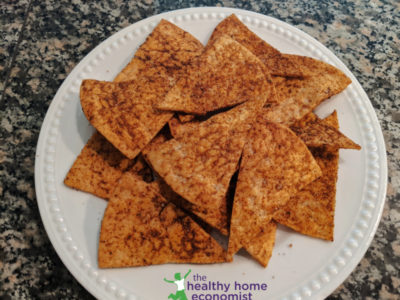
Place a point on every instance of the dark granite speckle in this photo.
(41, 42)
(12, 23)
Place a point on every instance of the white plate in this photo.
(300, 268)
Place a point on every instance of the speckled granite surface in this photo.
(43, 40)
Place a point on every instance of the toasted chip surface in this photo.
(165, 53)
(311, 211)
(140, 228)
(199, 165)
(92, 172)
(158, 140)
(275, 164)
(224, 75)
(97, 168)
(261, 248)
(124, 111)
(210, 216)
(316, 133)
(186, 117)
(141, 169)
(299, 96)
(143, 224)
(276, 62)
(177, 128)
(314, 67)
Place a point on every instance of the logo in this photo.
(180, 283)
(200, 287)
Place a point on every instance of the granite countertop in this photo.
(41, 43)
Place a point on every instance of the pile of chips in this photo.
(191, 139)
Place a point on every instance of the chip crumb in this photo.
(290, 245)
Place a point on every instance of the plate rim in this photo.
(88, 279)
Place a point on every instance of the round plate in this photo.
(300, 268)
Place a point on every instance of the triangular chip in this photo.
(97, 168)
(166, 53)
(199, 165)
(92, 171)
(261, 247)
(225, 74)
(316, 133)
(276, 63)
(206, 215)
(142, 169)
(332, 120)
(100, 165)
(311, 211)
(299, 96)
(123, 112)
(178, 125)
(315, 67)
(141, 228)
(164, 189)
(275, 165)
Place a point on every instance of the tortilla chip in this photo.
(163, 188)
(311, 211)
(97, 168)
(141, 228)
(315, 67)
(276, 63)
(167, 65)
(178, 127)
(299, 96)
(275, 165)
(261, 248)
(225, 74)
(316, 133)
(123, 112)
(332, 120)
(165, 53)
(100, 165)
(199, 165)
(200, 215)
